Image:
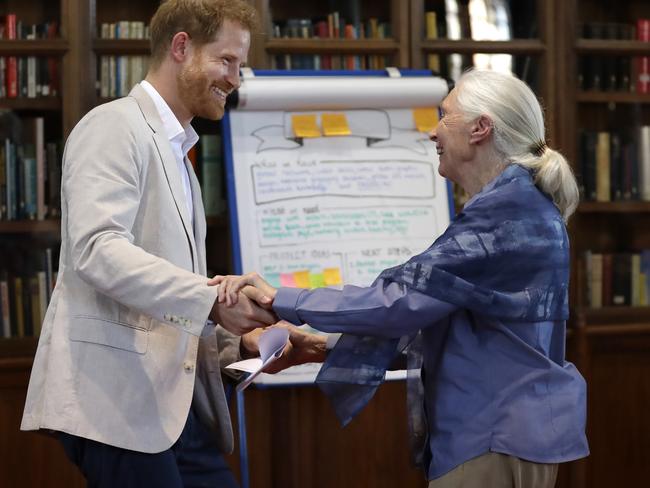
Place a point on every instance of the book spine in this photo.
(643, 62)
(615, 167)
(644, 163)
(635, 279)
(6, 311)
(596, 299)
(621, 279)
(42, 301)
(607, 289)
(431, 31)
(603, 183)
(12, 61)
(41, 209)
(20, 310)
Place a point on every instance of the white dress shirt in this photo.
(181, 140)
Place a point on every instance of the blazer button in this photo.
(188, 367)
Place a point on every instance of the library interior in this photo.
(587, 61)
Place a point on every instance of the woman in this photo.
(489, 297)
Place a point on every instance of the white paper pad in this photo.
(271, 344)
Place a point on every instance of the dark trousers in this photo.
(193, 461)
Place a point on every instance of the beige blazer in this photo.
(124, 346)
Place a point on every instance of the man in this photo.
(127, 371)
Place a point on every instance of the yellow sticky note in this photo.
(332, 276)
(305, 125)
(316, 280)
(335, 124)
(425, 118)
(302, 279)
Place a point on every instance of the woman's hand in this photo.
(302, 347)
(251, 284)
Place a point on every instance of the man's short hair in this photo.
(201, 19)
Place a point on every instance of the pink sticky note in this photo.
(287, 279)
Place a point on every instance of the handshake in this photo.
(244, 307)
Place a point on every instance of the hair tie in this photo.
(538, 148)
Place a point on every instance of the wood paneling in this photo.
(295, 441)
(27, 458)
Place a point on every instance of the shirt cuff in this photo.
(332, 339)
(286, 302)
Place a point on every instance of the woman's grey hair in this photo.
(519, 133)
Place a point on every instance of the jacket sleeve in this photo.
(102, 185)
(385, 309)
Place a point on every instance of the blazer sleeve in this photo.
(102, 186)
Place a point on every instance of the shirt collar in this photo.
(186, 138)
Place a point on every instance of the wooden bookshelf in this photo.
(264, 46)
(610, 345)
(40, 47)
(344, 46)
(466, 46)
(612, 97)
(18, 351)
(122, 46)
(38, 103)
(612, 46)
(614, 207)
(48, 226)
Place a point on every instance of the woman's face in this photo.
(452, 136)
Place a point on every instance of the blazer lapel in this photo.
(166, 154)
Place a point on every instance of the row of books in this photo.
(13, 28)
(124, 29)
(615, 166)
(28, 77)
(332, 27)
(30, 171)
(617, 279)
(615, 73)
(24, 295)
(118, 74)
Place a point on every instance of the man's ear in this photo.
(482, 128)
(181, 46)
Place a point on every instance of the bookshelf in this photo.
(59, 112)
(529, 39)
(609, 344)
(278, 40)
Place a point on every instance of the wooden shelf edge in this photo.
(122, 46)
(318, 46)
(18, 363)
(17, 352)
(40, 47)
(467, 46)
(612, 46)
(614, 207)
(612, 97)
(51, 226)
(609, 315)
(39, 103)
(617, 329)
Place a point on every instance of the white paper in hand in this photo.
(271, 344)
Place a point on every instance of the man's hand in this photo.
(241, 317)
(252, 284)
(302, 347)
